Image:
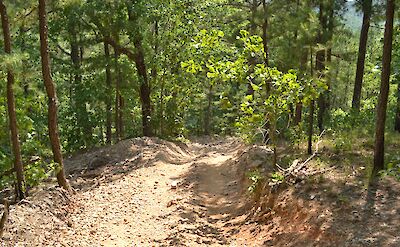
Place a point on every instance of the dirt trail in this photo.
(162, 194)
(150, 192)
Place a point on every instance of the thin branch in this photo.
(63, 50)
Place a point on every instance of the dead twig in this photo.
(296, 166)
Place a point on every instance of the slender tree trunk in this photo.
(362, 50)
(253, 31)
(264, 33)
(298, 113)
(312, 105)
(52, 96)
(384, 90)
(117, 97)
(303, 66)
(208, 112)
(144, 89)
(11, 107)
(320, 62)
(326, 19)
(108, 99)
(320, 67)
(138, 58)
(397, 117)
(154, 66)
(83, 122)
(121, 115)
(162, 107)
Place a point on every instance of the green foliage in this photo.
(392, 168)
(277, 178)
(38, 171)
(205, 62)
(256, 178)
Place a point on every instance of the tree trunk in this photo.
(138, 58)
(303, 67)
(208, 112)
(144, 89)
(362, 50)
(117, 96)
(264, 33)
(108, 99)
(121, 115)
(384, 90)
(83, 122)
(298, 113)
(11, 107)
(397, 117)
(161, 116)
(320, 67)
(52, 97)
(312, 105)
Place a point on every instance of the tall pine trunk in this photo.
(379, 151)
(320, 63)
(18, 167)
(311, 114)
(108, 97)
(52, 97)
(117, 96)
(362, 50)
(320, 67)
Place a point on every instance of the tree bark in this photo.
(397, 117)
(264, 33)
(320, 67)
(109, 89)
(312, 105)
(138, 58)
(384, 89)
(298, 113)
(362, 50)
(326, 19)
(117, 97)
(11, 107)
(320, 62)
(52, 97)
(144, 88)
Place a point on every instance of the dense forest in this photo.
(79, 75)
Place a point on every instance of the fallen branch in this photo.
(296, 166)
(4, 218)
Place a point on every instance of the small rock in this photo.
(171, 203)
(174, 184)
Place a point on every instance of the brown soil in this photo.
(150, 192)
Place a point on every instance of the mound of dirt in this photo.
(35, 221)
(327, 209)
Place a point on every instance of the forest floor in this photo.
(150, 192)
